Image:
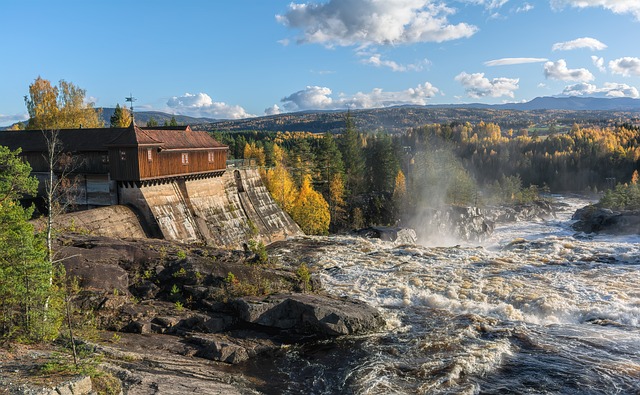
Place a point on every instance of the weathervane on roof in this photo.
(131, 99)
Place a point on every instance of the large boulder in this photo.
(536, 210)
(386, 233)
(461, 223)
(309, 314)
(594, 219)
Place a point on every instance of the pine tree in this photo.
(121, 117)
(383, 164)
(328, 163)
(302, 160)
(353, 157)
(29, 299)
(329, 175)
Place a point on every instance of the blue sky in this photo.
(241, 58)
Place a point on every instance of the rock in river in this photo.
(310, 314)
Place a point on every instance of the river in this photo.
(536, 309)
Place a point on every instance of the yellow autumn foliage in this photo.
(311, 211)
(281, 186)
(252, 152)
(60, 107)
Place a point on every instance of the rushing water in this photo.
(538, 309)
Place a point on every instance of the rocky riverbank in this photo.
(594, 219)
(174, 317)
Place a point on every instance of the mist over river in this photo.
(536, 309)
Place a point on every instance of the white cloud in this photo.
(599, 63)
(626, 66)
(201, 105)
(526, 7)
(477, 85)
(323, 72)
(379, 98)
(373, 22)
(6, 120)
(90, 100)
(512, 61)
(616, 6)
(376, 60)
(559, 71)
(609, 89)
(273, 110)
(321, 98)
(583, 42)
(312, 97)
(489, 4)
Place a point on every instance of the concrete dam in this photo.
(224, 211)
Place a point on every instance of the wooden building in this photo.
(155, 155)
(103, 160)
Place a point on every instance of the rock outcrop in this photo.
(594, 219)
(392, 234)
(309, 314)
(460, 223)
(536, 210)
(223, 305)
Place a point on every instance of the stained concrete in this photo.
(224, 211)
(111, 221)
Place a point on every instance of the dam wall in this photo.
(224, 211)
(110, 221)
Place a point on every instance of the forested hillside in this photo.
(382, 178)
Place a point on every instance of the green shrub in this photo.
(305, 276)
(623, 197)
(181, 254)
(106, 384)
(260, 250)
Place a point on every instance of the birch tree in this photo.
(59, 107)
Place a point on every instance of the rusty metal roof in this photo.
(99, 139)
(168, 138)
(173, 138)
(73, 140)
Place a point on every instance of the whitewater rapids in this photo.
(537, 309)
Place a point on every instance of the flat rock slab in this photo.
(310, 314)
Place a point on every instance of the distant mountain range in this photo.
(142, 117)
(572, 103)
(539, 113)
(541, 110)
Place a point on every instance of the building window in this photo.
(123, 155)
(105, 159)
(211, 157)
(185, 158)
(149, 155)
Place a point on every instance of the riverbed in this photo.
(536, 308)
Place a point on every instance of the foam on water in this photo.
(458, 315)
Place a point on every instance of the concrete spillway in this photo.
(224, 211)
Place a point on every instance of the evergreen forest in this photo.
(354, 179)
